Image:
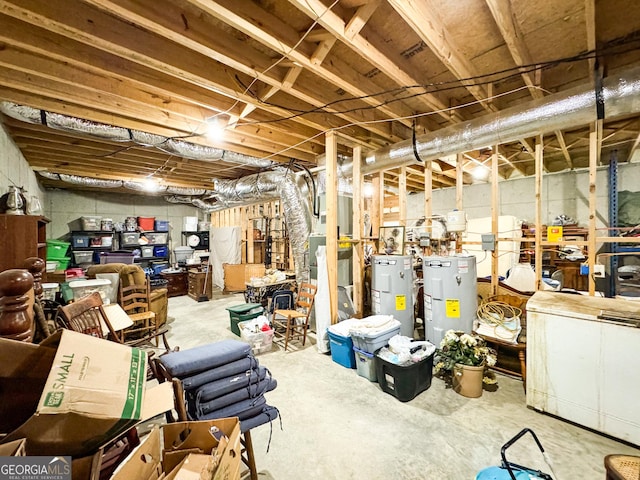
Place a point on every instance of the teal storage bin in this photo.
(342, 350)
(241, 313)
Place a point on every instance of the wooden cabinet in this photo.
(178, 283)
(196, 281)
(22, 236)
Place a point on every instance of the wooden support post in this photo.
(331, 153)
(594, 157)
(402, 197)
(459, 181)
(247, 233)
(358, 248)
(459, 197)
(428, 198)
(376, 206)
(495, 211)
(538, 233)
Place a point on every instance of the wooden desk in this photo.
(519, 349)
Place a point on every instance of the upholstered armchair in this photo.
(132, 275)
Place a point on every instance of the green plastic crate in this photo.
(241, 313)
(63, 262)
(57, 249)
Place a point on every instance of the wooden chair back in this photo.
(306, 297)
(87, 316)
(135, 298)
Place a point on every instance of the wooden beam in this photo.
(337, 26)
(539, 162)
(360, 18)
(590, 22)
(594, 142)
(423, 19)
(376, 204)
(428, 195)
(242, 17)
(402, 196)
(510, 30)
(459, 182)
(181, 78)
(563, 147)
(324, 47)
(358, 247)
(495, 212)
(331, 159)
(633, 148)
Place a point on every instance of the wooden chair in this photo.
(86, 315)
(289, 324)
(135, 300)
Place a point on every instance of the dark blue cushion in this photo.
(226, 385)
(267, 414)
(243, 365)
(244, 409)
(251, 391)
(194, 360)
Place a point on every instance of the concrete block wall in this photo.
(564, 193)
(14, 170)
(65, 206)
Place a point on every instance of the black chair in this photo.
(281, 300)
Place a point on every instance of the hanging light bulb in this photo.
(216, 126)
(150, 184)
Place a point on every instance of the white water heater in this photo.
(392, 289)
(450, 294)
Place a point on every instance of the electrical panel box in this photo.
(488, 242)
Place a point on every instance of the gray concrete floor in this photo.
(339, 425)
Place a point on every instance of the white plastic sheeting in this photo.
(225, 247)
(322, 303)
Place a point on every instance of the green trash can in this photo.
(240, 313)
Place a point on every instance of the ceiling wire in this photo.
(438, 87)
(277, 62)
(408, 117)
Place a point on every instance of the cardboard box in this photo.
(201, 450)
(73, 393)
(13, 449)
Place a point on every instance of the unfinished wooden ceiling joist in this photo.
(286, 71)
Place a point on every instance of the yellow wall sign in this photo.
(401, 302)
(452, 308)
(554, 233)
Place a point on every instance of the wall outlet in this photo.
(598, 271)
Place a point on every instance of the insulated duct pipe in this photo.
(575, 107)
(118, 134)
(295, 205)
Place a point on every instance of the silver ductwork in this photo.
(571, 108)
(294, 199)
(118, 134)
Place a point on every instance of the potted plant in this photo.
(462, 360)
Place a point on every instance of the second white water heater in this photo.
(392, 289)
(450, 294)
